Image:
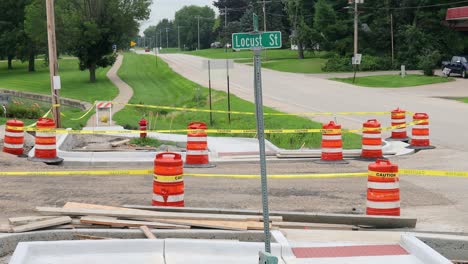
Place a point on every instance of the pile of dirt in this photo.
(12, 162)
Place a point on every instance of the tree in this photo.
(301, 19)
(162, 35)
(187, 18)
(94, 26)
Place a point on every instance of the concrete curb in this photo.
(8, 242)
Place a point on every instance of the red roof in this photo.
(458, 13)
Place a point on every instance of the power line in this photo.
(416, 7)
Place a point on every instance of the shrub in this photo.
(20, 111)
(368, 63)
(428, 62)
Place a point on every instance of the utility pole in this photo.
(356, 17)
(160, 42)
(391, 37)
(53, 65)
(265, 21)
(167, 37)
(178, 37)
(198, 17)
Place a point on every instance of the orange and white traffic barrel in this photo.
(383, 189)
(45, 149)
(197, 146)
(371, 140)
(168, 184)
(420, 132)
(14, 137)
(398, 119)
(332, 144)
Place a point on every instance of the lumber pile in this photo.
(85, 216)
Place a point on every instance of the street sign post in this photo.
(264, 40)
(257, 41)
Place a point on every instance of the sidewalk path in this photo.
(125, 91)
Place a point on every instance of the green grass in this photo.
(143, 142)
(309, 65)
(75, 83)
(394, 81)
(464, 100)
(275, 54)
(162, 86)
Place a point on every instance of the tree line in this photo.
(87, 29)
(391, 32)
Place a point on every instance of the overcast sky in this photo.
(161, 9)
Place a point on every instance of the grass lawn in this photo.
(394, 81)
(162, 86)
(464, 100)
(309, 65)
(75, 83)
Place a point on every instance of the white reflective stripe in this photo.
(372, 147)
(421, 127)
(170, 198)
(13, 146)
(383, 185)
(45, 147)
(45, 134)
(327, 137)
(399, 130)
(197, 152)
(420, 137)
(197, 139)
(399, 121)
(13, 134)
(365, 135)
(143, 127)
(383, 205)
(332, 150)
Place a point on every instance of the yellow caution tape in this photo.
(161, 178)
(235, 176)
(85, 114)
(56, 105)
(434, 173)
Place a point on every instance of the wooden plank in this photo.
(252, 217)
(224, 225)
(5, 228)
(88, 237)
(27, 219)
(144, 214)
(42, 224)
(113, 222)
(147, 232)
(299, 225)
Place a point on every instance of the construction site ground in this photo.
(439, 203)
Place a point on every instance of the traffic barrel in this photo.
(399, 119)
(46, 142)
(14, 137)
(371, 140)
(332, 144)
(168, 184)
(420, 132)
(383, 189)
(143, 124)
(197, 146)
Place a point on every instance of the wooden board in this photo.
(27, 219)
(299, 225)
(73, 205)
(42, 224)
(113, 222)
(225, 225)
(147, 232)
(143, 214)
(88, 237)
(5, 228)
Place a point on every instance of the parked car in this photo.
(458, 65)
(216, 45)
(147, 50)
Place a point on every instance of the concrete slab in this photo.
(207, 252)
(77, 252)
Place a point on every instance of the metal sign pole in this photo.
(209, 91)
(261, 142)
(228, 91)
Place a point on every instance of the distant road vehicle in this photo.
(147, 50)
(216, 45)
(458, 65)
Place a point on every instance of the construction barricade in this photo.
(46, 143)
(399, 119)
(332, 145)
(14, 137)
(168, 184)
(197, 146)
(383, 189)
(371, 140)
(420, 132)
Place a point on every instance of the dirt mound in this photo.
(12, 162)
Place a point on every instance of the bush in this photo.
(19, 110)
(368, 63)
(428, 62)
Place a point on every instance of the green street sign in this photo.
(265, 40)
(255, 22)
